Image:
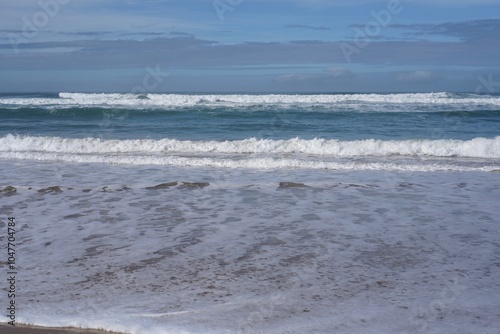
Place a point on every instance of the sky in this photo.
(254, 46)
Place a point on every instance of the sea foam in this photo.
(246, 100)
(476, 148)
(260, 153)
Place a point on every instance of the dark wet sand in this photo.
(20, 329)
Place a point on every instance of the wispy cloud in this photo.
(472, 30)
(339, 72)
(180, 33)
(287, 42)
(305, 26)
(186, 51)
(417, 76)
(354, 3)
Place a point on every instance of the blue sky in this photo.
(249, 45)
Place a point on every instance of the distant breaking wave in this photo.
(244, 100)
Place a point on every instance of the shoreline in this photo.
(28, 329)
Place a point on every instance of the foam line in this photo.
(488, 148)
(246, 100)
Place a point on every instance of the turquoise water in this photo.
(449, 116)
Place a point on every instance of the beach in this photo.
(41, 330)
(249, 255)
(139, 229)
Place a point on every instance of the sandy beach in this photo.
(21, 329)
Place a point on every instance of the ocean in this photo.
(252, 213)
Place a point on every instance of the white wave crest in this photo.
(474, 148)
(255, 163)
(247, 100)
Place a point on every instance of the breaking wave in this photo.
(245, 100)
(248, 153)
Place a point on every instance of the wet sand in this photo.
(21, 329)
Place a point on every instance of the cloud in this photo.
(417, 76)
(459, 3)
(182, 51)
(84, 33)
(330, 76)
(293, 77)
(472, 30)
(111, 16)
(318, 4)
(305, 26)
(339, 72)
(180, 33)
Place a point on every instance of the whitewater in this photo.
(183, 100)
(254, 213)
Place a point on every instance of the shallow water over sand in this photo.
(206, 250)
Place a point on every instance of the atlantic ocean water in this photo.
(197, 213)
